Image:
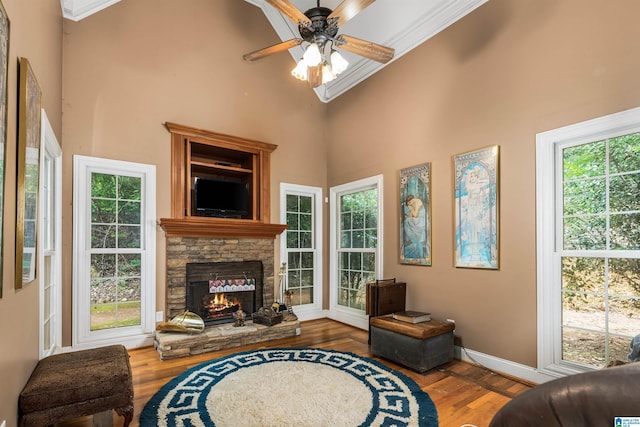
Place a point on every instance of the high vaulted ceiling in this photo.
(400, 24)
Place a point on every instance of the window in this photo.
(589, 242)
(50, 264)
(356, 247)
(301, 247)
(114, 234)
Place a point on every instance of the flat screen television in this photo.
(220, 198)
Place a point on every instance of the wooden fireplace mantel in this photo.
(211, 227)
(200, 154)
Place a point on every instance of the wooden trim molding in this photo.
(212, 149)
(211, 227)
(221, 139)
(255, 167)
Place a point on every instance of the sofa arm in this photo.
(588, 399)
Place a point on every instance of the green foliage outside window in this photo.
(300, 246)
(116, 223)
(357, 246)
(601, 216)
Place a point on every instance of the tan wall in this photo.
(36, 34)
(507, 71)
(139, 64)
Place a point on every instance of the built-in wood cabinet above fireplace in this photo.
(216, 160)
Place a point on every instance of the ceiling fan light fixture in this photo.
(300, 71)
(312, 56)
(327, 73)
(338, 63)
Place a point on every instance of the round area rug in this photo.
(290, 387)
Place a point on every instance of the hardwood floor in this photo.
(463, 393)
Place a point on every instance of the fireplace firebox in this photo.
(216, 290)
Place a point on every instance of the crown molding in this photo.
(75, 10)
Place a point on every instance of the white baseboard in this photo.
(128, 342)
(508, 367)
(344, 316)
(310, 314)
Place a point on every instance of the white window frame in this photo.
(351, 316)
(131, 336)
(548, 234)
(314, 310)
(51, 245)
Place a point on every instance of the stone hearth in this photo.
(182, 250)
(171, 345)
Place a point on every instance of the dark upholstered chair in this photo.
(582, 400)
(71, 385)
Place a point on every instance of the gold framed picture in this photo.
(4, 73)
(476, 195)
(415, 215)
(29, 116)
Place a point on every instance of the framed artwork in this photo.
(29, 113)
(415, 215)
(4, 72)
(476, 208)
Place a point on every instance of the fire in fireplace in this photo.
(216, 290)
(218, 305)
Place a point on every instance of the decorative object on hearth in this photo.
(278, 303)
(282, 281)
(289, 315)
(276, 306)
(188, 322)
(231, 285)
(238, 318)
(318, 27)
(285, 295)
(323, 387)
(267, 316)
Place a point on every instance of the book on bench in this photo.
(412, 316)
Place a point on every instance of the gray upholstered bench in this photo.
(71, 385)
(420, 346)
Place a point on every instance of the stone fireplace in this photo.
(214, 252)
(217, 290)
(182, 251)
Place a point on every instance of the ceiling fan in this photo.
(319, 27)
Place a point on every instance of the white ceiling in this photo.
(400, 24)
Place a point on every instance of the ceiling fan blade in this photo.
(279, 47)
(315, 76)
(368, 49)
(348, 9)
(285, 7)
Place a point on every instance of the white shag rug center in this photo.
(288, 394)
(306, 387)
